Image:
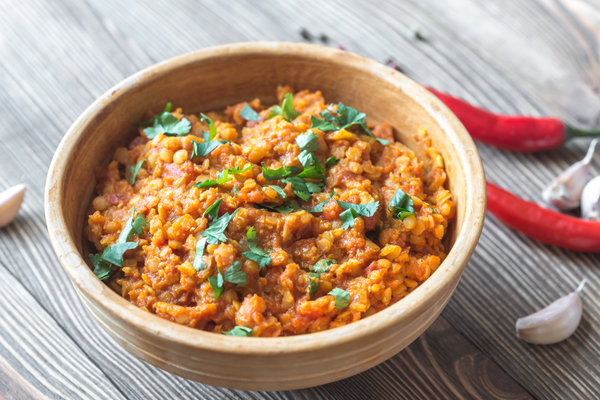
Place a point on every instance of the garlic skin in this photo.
(564, 192)
(10, 203)
(590, 200)
(554, 323)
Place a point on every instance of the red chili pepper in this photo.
(541, 223)
(511, 132)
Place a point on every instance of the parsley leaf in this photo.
(204, 149)
(314, 279)
(217, 283)
(235, 190)
(114, 253)
(198, 263)
(285, 208)
(366, 210)
(279, 173)
(401, 205)
(256, 253)
(223, 177)
(286, 110)
(348, 217)
(314, 187)
(212, 129)
(308, 141)
(102, 269)
(433, 210)
(152, 120)
(319, 207)
(212, 211)
(342, 298)
(134, 171)
(277, 189)
(312, 168)
(249, 114)
(331, 161)
(132, 226)
(235, 274)
(323, 264)
(299, 187)
(167, 124)
(214, 232)
(239, 331)
(347, 117)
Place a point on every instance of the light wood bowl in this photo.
(210, 79)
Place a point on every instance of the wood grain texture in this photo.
(532, 57)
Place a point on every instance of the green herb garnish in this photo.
(314, 280)
(256, 253)
(277, 189)
(223, 177)
(204, 149)
(286, 110)
(212, 129)
(114, 253)
(249, 114)
(401, 205)
(214, 232)
(308, 141)
(299, 186)
(433, 210)
(346, 117)
(200, 245)
(285, 208)
(212, 211)
(355, 210)
(342, 298)
(167, 124)
(234, 274)
(134, 169)
(331, 161)
(217, 283)
(102, 269)
(323, 265)
(279, 173)
(239, 331)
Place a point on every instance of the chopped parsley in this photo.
(308, 141)
(204, 149)
(345, 118)
(401, 205)
(299, 186)
(217, 283)
(215, 231)
(277, 189)
(212, 211)
(239, 331)
(234, 274)
(433, 210)
(223, 177)
(279, 173)
(285, 208)
(312, 168)
(113, 254)
(314, 280)
(200, 245)
(342, 298)
(167, 124)
(355, 210)
(331, 161)
(102, 269)
(249, 114)
(256, 253)
(286, 110)
(212, 129)
(323, 265)
(134, 169)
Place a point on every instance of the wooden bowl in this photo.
(210, 79)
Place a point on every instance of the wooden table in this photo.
(530, 57)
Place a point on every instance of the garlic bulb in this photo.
(10, 203)
(554, 323)
(590, 200)
(564, 192)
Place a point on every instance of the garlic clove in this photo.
(554, 323)
(590, 200)
(564, 192)
(10, 203)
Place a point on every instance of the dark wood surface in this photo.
(531, 57)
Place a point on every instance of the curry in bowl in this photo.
(269, 221)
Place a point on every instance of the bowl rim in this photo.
(448, 272)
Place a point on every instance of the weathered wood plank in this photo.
(537, 57)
